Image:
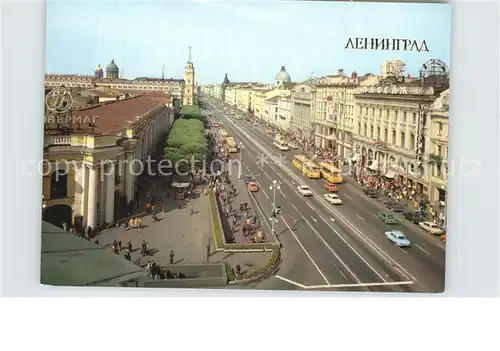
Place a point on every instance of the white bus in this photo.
(280, 144)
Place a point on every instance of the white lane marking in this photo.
(350, 198)
(333, 252)
(305, 251)
(293, 218)
(360, 217)
(267, 175)
(332, 219)
(441, 246)
(282, 193)
(312, 208)
(291, 282)
(295, 208)
(314, 219)
(248, 169)
(293, 182)
(330, 286)
(258, 183)
(265, 194)
(353, 250)
(406, 253)
(421, 248)
(342, 274)
(377, 249)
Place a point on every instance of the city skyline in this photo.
(238, 38)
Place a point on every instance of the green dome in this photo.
(112, 67)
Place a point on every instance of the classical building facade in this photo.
(91, 164)
(438, 153)
(112, 83)
(303, 98)
(284, 113)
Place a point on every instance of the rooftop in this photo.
(68, 260)
(113, 116)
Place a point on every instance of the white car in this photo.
(293, 145)
(334, 199)
(430, 227)
(304, 190)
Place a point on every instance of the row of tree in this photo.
(186, 141)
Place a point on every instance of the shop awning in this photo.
(390, 174)
(373, 166)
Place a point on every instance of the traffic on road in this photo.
(334, 233)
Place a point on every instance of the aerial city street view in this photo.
(252, 154)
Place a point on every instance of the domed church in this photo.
(112, 71)
(282, 77)
(98, 73)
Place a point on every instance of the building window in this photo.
(386, 135)
(402, 141)
(378, 133)
(440, 129)
(412, 140)
(414, 117)
(371, 132)
(404, 116)
(365, 131)
(359, 128)
(59, 185)
(393, 140)
(438, 151)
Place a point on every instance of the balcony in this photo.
(53, 140)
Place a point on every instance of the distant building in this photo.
(189, 82)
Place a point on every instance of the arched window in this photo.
(402, 141)
(371, 132)
(386, 135)
(359, 128)
(412, 167)
(378, 133)
(393, 140)
(59, 184)
(365, 131)
(412, 141)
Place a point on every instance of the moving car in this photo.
(252, 186)
(394, 206)
(333, 199)
(397, 238)
(414, 217)
(293, 145)
(430, 228)
(370, 192)
(331, 187)
(304, 190)
(248, 179)
(387, 218)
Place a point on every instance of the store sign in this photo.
(392, 90)
(420, 133)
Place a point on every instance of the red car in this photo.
(216, 125)
(252, 186)
(331, 188)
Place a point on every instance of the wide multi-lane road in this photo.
(327, 247)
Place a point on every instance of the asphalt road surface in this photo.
(332, 247)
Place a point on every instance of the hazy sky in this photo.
(248, 40)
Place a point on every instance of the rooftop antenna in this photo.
(189, 59)
(163, 72)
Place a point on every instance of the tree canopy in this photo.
(186, 141)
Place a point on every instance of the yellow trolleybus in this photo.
(308, 168)
(331, 173)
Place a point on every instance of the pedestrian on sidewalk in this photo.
(171, 256)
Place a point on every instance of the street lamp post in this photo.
(241, 147)
(275, 185)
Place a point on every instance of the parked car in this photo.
(394, 206)
(304, 190)
(252, 186)
(431, 227)
(370, 192)
(414, 217)
(397, 238)
(387, 218)
(331, 187)
(333, 199)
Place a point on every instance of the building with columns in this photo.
(92, 162)
(284, 113)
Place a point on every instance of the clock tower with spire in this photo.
(189, 82)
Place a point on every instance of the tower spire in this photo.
(189, 59)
